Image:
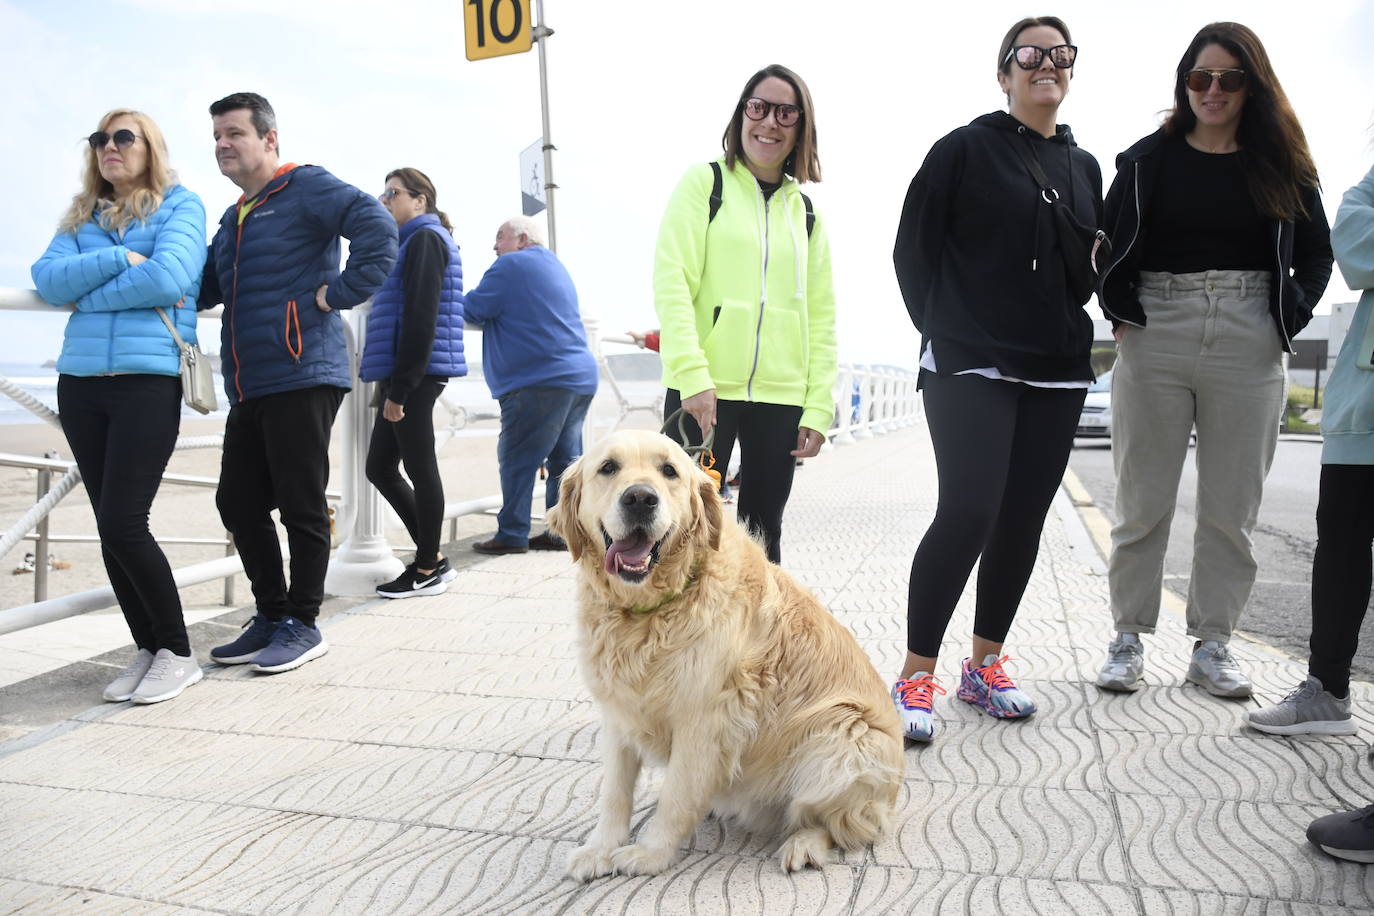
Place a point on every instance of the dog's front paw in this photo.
(642, 860)
(590, 861)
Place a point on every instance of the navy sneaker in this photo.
(250, 642)
(293, 644)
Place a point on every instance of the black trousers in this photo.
(1000, 449)
(411, 440)
(276, 456)
(767, 435)
(122, 429)
(1341, 571)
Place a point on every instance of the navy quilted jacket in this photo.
(267, 260)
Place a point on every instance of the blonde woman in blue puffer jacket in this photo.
(133, 240)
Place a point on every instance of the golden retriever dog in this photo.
(708, 660)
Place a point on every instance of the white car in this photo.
(1096, 418)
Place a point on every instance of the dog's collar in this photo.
(673, 596)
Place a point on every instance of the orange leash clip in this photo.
(708, 464)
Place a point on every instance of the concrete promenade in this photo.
(442, 759)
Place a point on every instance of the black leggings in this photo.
(1000, 449)
(1341, 571)
(122, 429)
(767, 435)
(411, 440)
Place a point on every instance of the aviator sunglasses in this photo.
(123, 138)
(392, 192)
(1029, 57)
(1230, 80)
(757, 109)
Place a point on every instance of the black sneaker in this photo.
(446, 570)
(412, 584)
(1346, 835)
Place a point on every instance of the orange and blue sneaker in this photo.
(913, 697)
(989, 688)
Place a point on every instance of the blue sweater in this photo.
(532, 332)
(114, 329)
(266, 269)
(1348, 411)
(416, 325)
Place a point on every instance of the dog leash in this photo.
(702, 453)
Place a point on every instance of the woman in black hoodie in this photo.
(1222, 251)
(1004, 360)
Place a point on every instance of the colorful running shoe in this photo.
(913, 697)
(989, 688)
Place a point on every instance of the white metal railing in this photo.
(871, 400)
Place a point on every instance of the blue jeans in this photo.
(537, 424)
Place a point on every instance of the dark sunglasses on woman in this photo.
(785, 115)
(1232, 80)
(1029, 57)
(123, 138)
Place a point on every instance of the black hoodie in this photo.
(978, 259)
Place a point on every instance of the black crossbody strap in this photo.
(1032, 164)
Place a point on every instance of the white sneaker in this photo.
(1125, 664)
(168, 676)
(1214, 668)
(123, 686)
(1308, 710)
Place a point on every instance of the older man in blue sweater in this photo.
(538, 366)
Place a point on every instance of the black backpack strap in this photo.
(810, 215)
(717, 186)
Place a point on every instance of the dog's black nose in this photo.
(639, 500)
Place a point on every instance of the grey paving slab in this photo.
(442, 758)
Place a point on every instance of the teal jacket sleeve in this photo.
(1352, 235)
(65, 273)
(171, 273)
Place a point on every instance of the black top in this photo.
(426, 263)
(1202, 216)
(768, 187)
(977, 254)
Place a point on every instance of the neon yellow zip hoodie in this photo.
(747, 308)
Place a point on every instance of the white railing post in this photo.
(844, 401)
(863, 428)
(592, 328)
(364, 559)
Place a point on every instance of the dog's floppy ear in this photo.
(712, 512)
(562, 518)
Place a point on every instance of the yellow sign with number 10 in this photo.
(497, 27)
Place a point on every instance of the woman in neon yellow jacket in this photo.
(744, 298)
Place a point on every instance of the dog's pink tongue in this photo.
(630, 551)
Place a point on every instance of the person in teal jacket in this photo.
(1342, 569)
(132, 241)
(744, 296)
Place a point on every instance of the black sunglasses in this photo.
(392, 192)
(756, 109)
(123, 138)
(1029, 57)
(1230, 80)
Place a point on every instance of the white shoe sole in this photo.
(1350, 855)
(1320, 727)
(1120, 685)
(308, 655)
(450, 575)
(234, 659)
(195, 679)
(1235, 693)
(437, 588)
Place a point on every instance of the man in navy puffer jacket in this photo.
(274, 263)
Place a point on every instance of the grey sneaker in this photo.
(1125, 664)
(123, 686)
(1215, 670)
(1308, 710)
(169, 675)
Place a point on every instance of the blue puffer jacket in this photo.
(389, 306)
(266, 266)
(114, 329)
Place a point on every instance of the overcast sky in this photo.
(639, 91)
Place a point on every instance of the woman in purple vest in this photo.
(414, 346)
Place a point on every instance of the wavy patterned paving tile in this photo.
(1178, 710)
(1342, 765)
(1211, 767)
(37, 899)
(497, 578)
(969, 755)
(1240, 848)
(561, 590)
(927, 892)
(1047, 834)
(496, 637)
(1059, 705)
(484, 675)
(452, 605)
(1183, 903)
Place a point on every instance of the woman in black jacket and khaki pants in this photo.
(1210, 214)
